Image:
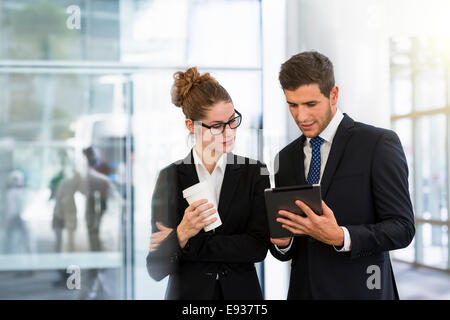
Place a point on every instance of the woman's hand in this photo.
(194, 220)
(160, 236)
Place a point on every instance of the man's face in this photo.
(311, 110)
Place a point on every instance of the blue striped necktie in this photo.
(314, 166)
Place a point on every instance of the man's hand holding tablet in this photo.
(289, 216)
(323, 228)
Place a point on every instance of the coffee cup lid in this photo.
(194, 188)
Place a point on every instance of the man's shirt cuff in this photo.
(347, 242)
(284, 250)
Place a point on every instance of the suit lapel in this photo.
(229, 185)
(340, 140)
(186, 172)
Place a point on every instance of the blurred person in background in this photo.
(63, 187)
(98, 188)
(17, 236)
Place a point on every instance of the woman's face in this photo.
(219, 113)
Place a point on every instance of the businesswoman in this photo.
(218, 264)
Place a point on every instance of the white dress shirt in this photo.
(215, 179)
(327, 135)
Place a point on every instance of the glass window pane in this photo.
(434, 242)
(431, 182)
(62, 152)
(155, 32)
(157, 124)
(225, 33)
(401, 93)
(419, 73)
(401, 82)
(429, 73)
(38, 30)
(201, 33)
(53, 103)
(430, 89)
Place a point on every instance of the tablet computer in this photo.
(284, 199)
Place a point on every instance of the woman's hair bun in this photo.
(184, 82)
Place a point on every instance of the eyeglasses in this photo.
(219, 128)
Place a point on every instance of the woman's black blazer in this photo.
(230, 251)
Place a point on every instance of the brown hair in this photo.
(307, 68)
(196, 93)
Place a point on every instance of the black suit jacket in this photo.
(230, 251)
(365, 183)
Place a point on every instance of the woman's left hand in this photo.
(159, 236)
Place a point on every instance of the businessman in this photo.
(362, 170)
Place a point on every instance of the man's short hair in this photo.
(307, 68)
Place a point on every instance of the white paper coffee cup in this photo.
(203, 190)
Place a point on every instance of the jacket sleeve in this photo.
(394, 227)
(273, 250)
(164, 260)
(247, 247)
